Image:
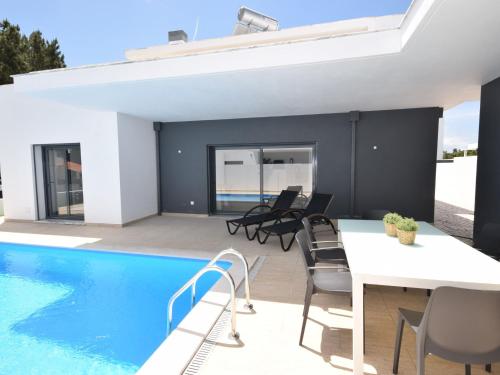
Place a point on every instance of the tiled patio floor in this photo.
(269, 338)
(454, 220)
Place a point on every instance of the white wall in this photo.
(456, 182)
(26, 121)
(137, 148)
(440, 142)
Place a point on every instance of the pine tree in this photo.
(53, 57)
(12, 51)
(21, 54)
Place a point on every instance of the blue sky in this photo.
(461, 125)
(95, 31)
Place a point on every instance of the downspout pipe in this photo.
(157, 130)
(354, 119)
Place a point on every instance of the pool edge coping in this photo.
(176, 352)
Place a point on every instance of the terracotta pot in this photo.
(390, 229)
(406, 238)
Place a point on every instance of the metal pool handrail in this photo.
(210, 267)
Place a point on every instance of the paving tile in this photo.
(270, 336)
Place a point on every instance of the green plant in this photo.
(392, 218)
(407, 225)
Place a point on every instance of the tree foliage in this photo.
(22, 54)
(456, 153)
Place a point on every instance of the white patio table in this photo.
(436, 259)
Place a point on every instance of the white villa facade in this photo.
(365, 95)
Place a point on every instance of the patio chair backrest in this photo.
(301, 239)
(285, 200)
(375, 214)
(308, 229)
(462, 325)
(489, 237)
(318, 204)
(297, 188)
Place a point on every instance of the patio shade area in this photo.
(269, 338)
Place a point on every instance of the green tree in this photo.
(456, 153)
(21, 54)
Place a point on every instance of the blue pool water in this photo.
(242, 197)
(67, 311)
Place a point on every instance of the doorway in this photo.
(245, 176)
(63, 182)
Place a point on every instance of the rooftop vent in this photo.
(177, 37)
(250, 21)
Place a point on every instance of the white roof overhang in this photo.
(439, 56)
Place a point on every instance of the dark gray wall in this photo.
(407, 144)
(487, 208)
(184, 176)
(400, 175)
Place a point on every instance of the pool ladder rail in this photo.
(212, 267)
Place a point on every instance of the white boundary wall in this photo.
(108, 169)
(456, 182)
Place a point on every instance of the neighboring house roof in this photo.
(438, 54)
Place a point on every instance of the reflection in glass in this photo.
(288, 168)
(237, 179)
(63, 171)
(245, 178)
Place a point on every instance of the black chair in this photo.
(290, 222)
(330, 251)
(488, 240)
(329, 279)
(272, 200)
(282, 203)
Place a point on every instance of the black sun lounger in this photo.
(315, 211)
(282, 203)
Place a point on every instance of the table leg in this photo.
(358, 324)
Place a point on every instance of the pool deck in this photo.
(269, 338)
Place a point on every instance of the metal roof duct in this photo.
(250, 21)
(177, 37)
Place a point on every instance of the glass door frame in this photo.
(211, 168)
(46, 178)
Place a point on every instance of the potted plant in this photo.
(407, 230)
(390, 221)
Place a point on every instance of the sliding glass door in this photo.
(288, 167)
(63, 182)
(238, 179)
(243, 177)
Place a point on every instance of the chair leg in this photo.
(421, 364)
(405, 289)
(487, 368)
(307, 303)
(286, 248)
(397, 346)
(229, 228)
(252, 237)
(333, 226)
(262, 241)
(468, 369)
(429, 292)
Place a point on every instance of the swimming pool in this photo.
(236, 197)
(68, 311)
